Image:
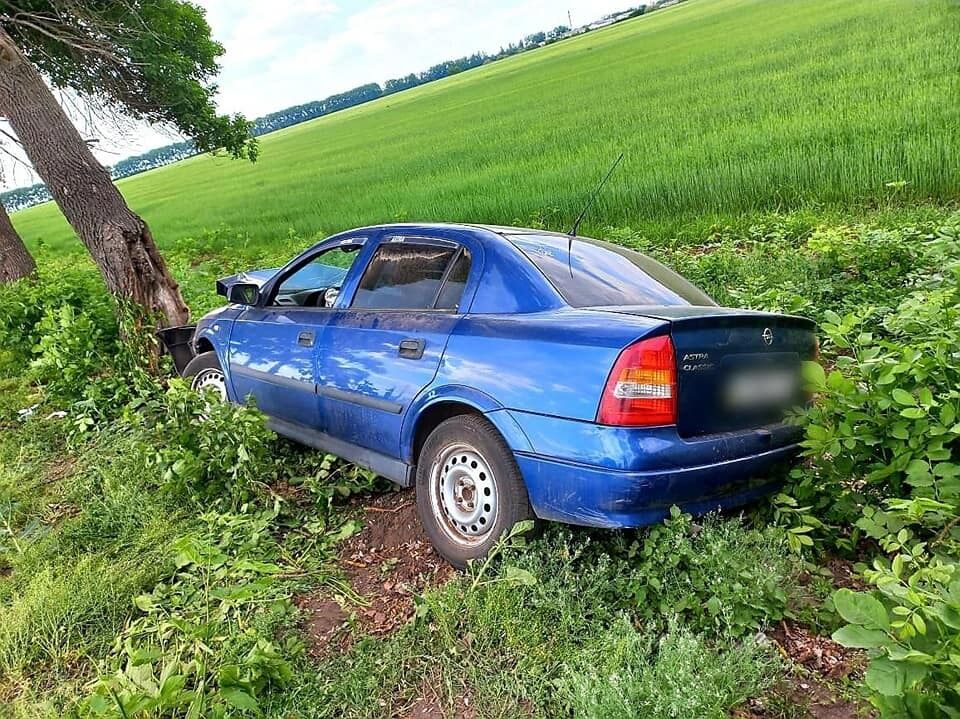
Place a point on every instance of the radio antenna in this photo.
(586, 209)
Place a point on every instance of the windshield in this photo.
(606, 275)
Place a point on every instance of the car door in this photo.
(274, 346)
(386, 346)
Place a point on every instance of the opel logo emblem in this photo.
(767, 336)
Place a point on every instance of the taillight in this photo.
(642, 388)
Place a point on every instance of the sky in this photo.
(286, 52)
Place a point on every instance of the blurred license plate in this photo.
(762, 388)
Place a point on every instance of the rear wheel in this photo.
(469, 489)
(205, 375)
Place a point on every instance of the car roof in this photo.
(502, 230)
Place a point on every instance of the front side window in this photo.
(413, 276)
(317, 283)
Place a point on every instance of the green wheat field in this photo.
(722, 107)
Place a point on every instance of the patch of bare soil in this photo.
(812, 690)
(59, 469)
(324, 624)
(844, 575)
(388, 563)
(820, 655)
(429, 705)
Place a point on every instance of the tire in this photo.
(203, 372)
(469, 489)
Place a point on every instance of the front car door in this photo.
(274, 345)
(386, 346)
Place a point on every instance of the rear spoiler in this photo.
(178, 342)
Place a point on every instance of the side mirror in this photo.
(243, 293)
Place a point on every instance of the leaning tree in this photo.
(151, 60)
(16, 261)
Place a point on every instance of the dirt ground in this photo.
(813, 690)
(387, 564)
(429, 706)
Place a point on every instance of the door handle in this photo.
(305, 339)
(411, 348)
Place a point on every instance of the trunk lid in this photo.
(736, 369)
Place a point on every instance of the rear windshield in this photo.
(607, 275)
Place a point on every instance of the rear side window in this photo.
(600, 274)
(452, 290)
(413, 276)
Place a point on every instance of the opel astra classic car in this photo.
(509, 373)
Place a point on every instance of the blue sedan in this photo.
(509, 373)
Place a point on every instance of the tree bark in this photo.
(119, 240)
(15, 261)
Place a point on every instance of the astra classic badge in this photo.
(767, 336)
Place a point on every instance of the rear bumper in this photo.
(598, 497)
(585, 474)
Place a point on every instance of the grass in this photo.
(723, 107)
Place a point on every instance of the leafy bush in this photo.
(711, 576)
(211, 451)
(787, 266)
(886, 423)
(632, 675)
(60, 282)
(883, 442)
(913, 634)
(69, 353)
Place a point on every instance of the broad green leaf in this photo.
(860, 608)
(144, 603)
(346, 530)
(892, 678)
(239, 698)
(946, 614)
(520, 576)
(901, 396)
(522, 527)
(818, 433)
(813, 373)
(858, 637)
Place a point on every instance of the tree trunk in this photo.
(15, 261)
(119, 240)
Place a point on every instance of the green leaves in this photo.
(239, 698)
(868, 620)
(859, 608)
(814, 375)
(516, 575)
(860, 637)
(893, 678)
(903, 397)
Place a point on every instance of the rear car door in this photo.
(386, 346)
(274, 346)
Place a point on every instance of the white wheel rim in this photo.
(463, 494)
(211, 380)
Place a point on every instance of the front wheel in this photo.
(205, 375)
(469, 489)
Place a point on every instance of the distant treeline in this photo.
(23, 197)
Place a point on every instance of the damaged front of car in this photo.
(187, 341)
